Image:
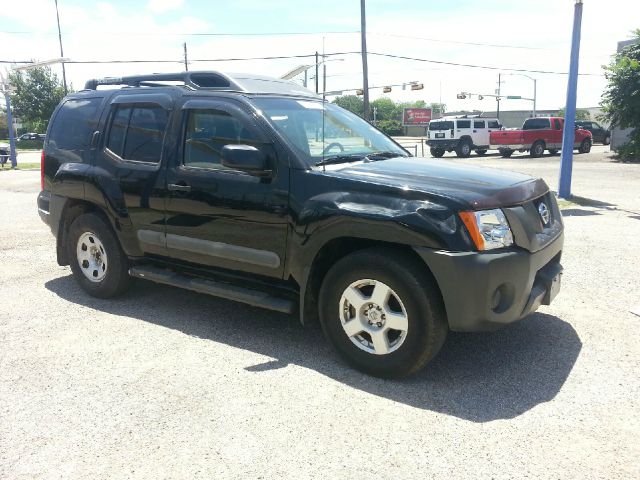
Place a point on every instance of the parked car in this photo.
(462, 134)
(228, 186)
(598, 132)
(4, 153)
(30, 136)
(537, 135)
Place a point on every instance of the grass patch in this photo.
(22, 166)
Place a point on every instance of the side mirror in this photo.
(246, 158)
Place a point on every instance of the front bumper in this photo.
(487, 290)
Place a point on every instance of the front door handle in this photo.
(179, 187)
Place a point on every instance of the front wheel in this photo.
(553, 151)
(480, 153)
(506, 153)
(585, 146)
(98, 263)
(607, 140)
(437, 152)
(382, 313)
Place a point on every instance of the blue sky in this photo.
(533, 35)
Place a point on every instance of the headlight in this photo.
(489, 229)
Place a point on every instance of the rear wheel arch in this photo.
(71, 210)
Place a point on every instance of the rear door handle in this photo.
(179, 187)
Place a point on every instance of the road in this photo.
(165, 383)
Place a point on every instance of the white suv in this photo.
(462, 134)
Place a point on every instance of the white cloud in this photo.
(163, 6)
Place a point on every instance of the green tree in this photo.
(621, 99)
(37, 93)
(353, 103)
(581, 114)
(386, 109)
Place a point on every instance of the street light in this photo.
(535, 82)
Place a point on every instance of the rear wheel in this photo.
(481, 152)
(382, 313)
(98, 263)
(537, 149)
(505, 153)
(607, 140)
(437, 152)
(463, 150)
(553, 151)
(585, 146)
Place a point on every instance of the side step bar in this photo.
(211, 287)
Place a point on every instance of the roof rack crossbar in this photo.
(195, 80)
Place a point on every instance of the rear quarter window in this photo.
(464, 124)
(74, 124)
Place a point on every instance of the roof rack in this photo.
(208, 80)
(194, 80)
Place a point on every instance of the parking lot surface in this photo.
(165, 383)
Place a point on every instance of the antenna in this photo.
(324, 99)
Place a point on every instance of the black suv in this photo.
(255, 190)
(598, 132)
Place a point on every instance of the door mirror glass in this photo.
(244, 157)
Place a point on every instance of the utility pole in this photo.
(365, 70)
(535, 88)
(498, 97)
(64, 73)
(186, 63)
(568, 135)
(317, 72)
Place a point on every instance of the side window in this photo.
(74, 124)
(207, 132)
(115, 141)
(478, 124)
(137, 132)
(596, 126)
(557, 124)
(493, 124)
(536, 124)
(464, 123)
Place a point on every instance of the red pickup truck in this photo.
(537, 135)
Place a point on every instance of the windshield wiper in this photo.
(383, 155)
(340, 159)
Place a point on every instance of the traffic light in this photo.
(386, 89)
(461, 96)
(417, 86)
(480, 97)
(359, 92)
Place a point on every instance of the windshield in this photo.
(442, 125)
(340, 133)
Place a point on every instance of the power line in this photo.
(188, 34)
(459, 42)
(486, 67)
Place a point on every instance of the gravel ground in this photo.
(170, 384)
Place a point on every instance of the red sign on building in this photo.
(416, 116)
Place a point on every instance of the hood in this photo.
(478, 187)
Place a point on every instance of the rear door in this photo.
(464, 128)
(130, 166)
(219, 216)
(480, 133)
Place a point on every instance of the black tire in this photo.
(585, 146)
(537, 149)
(606, 140)
(437, 152)
(481, 152)
(553, 151)
(506, 153)
(426, 319)
(463, 150)
(116, 277)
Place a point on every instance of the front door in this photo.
(219, 216)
